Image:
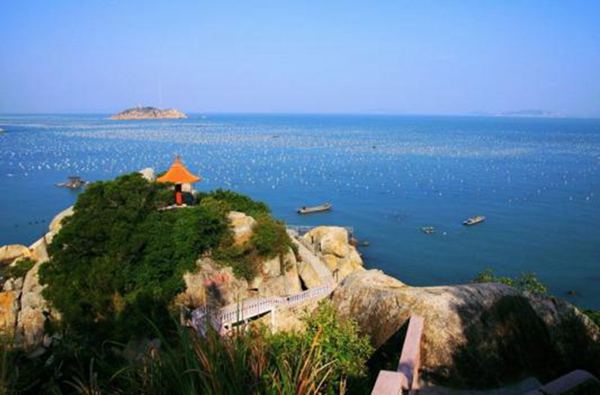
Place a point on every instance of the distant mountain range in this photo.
(521, 113)
(148, 113)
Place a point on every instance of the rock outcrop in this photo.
(148, 113)
(57, 223)
(34, 311)
(24, 312)
(9, 309)
(332, 245)
(12, 252)
(148, 174)
(241, 226)
(212, 284)
(475, 335)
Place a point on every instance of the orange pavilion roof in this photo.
(178, 174)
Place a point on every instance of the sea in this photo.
(536, 180)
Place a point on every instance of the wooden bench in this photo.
(406, 378)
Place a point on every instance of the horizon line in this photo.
(474, 114)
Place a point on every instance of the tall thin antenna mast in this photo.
(159, 95)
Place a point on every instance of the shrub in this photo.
(19, 268)
(269, 237)
(119, 259)
(525, 281)
(338, 341)
(594, 315)
(235, 202)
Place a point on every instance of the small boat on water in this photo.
(428, 230)
(74, 182)
(474, 220)
(315, 209)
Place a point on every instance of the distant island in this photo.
(148, 113)
(534, 113)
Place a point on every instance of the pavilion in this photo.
(179, 175)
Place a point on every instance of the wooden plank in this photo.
(410, 360)
(388, 383)
(567, 382)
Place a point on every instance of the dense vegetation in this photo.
(120, 258)
(528, 282)
(328, 358)
(525, 281)
(18, 269)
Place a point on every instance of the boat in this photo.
(74, 182)
(474, 220)
(315, 209)
(428, 230)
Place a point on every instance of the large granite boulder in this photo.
(273, 286)
(475, 335)
(212, 284)
(56, 224)
(34, 312)
(39, 250)
(289, 268)
(148, 174)
(329, 240)
(271, 267)
(331, 244)
(11, 252)
(241, 226)
(312, 270)
(9, 308)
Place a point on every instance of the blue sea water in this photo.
(536, 180)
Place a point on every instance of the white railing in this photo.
(250, 308)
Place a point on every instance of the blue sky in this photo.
(405, 57)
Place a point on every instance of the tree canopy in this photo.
(119, 260)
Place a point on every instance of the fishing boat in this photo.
(474, 220)
(315, 209)
(73, 183)
(428, 230)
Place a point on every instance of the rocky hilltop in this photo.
(148, 113)
(475, 335)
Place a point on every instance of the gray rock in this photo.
(475, 335)
(148, 174)
(34, 311)
(272, 267)
(311, 266)
(274, 286)
(241, 226)
(9, 253)
(9, 307)
(56, 224)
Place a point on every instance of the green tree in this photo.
(119, 258)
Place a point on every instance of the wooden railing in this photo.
(569, 383)
(224, 318)
(406, 377)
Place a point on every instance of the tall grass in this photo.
(249, 361)
(243, 363)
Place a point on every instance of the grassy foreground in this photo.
(328, 358)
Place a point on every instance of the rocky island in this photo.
(148, 113)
